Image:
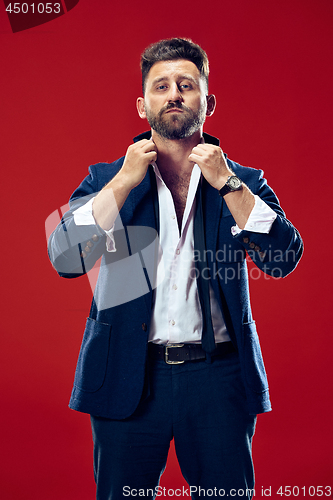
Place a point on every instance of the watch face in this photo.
(234, 182)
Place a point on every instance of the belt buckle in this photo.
(166, 357)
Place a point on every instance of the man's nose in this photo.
(175, 93)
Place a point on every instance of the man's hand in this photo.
(212, 164)
(216, 171)
(111, 198)
(138, 157)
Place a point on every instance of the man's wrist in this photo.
(120, 182)
(232, 184)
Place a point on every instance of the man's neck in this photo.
(172, 155)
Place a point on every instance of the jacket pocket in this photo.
(93, 357)
(254, 365)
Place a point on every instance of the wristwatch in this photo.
(233, 184)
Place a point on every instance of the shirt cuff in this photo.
(260, 219)
(83, 216)
(110, 243)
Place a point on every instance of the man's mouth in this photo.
(174, 110)
(173, 107)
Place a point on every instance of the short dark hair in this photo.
(174, 48)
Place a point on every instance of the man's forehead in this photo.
(173, 68)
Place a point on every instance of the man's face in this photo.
(175, 102)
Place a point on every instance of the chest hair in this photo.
(178, 186)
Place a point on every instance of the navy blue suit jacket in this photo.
(110, 372)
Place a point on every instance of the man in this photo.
(170, 347)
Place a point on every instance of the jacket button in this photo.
(245, 240)
(95, 237)
(144, 327)
(90, 244)
(251, 245)
(257, 248)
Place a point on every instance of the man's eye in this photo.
(185, 86)
(161, 87)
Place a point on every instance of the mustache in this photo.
(172, 105)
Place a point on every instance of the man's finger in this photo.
(149, 146)
(195, 158)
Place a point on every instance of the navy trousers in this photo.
(202, 406)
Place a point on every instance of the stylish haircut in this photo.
(174, 48)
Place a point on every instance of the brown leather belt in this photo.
(175, 354)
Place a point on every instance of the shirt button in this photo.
(173, 216)
(174, 287)
(177, 251)
(172, 322)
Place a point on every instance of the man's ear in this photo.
(211, 104)
(140, 106)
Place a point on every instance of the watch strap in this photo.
(225, 189)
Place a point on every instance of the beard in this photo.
(179, 125)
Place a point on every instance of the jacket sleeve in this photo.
(278, 252)
(73, 250)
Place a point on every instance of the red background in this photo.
(68, 91)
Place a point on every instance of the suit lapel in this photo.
(212, 204)
(144, 215)
(212, 207)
